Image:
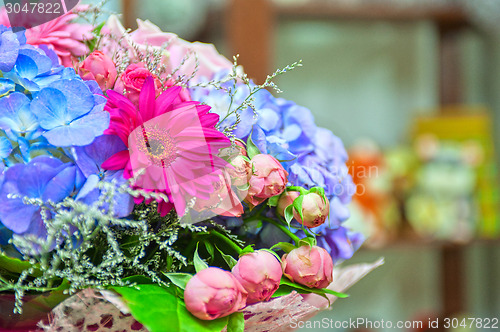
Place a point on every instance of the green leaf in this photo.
(308, 241)
(179, 279)
(286, 160)
(285, 246)
(273, 253)
(236, 322)
(273, 201)
(284, 290)
(297, 205)
(247, 250)
(245, 158)
(160, 310)
(97, 29)
(138, 279)
(210, 248)
(16, 265)
(230, 261)
(252, 149)
(199, 264)
(305, 290)
(289, 214)
(34, 306)
(337, 294)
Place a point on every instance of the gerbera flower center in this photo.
(155, 147)
(158, 145)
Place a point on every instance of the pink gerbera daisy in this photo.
(172, 145)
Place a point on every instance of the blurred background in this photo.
(412, 87)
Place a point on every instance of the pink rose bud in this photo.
(100, 68)
(223, 201)
(311, 267)
(132, 80)
(240, 145)
(285, 200)
(259, 273)
(315, 210)
(241, 172)
(269, 179)
(214, 293)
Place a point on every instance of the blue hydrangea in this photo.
(313, 156)
(69, 113)
(89, 160)
(36, 68)
(16, 118)
(48, 119)
(44, 177)
(5, 147)
(9, 48)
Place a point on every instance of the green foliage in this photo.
(286, 286)
(307, 241)
(285, 246)
(210, 248)
(236, 322)
(297, 205)
(289, 214)
(199, 264)
(230, 261)
(15, 265)
(273, 201)
(252, 149)
(247, 250)
(179, 279)
(160, 309)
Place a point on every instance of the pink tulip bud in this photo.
(214, 293)
(100, 68)
(285, 200)
(315, 210)
(312, 267)
(269, 179)
(259, 273)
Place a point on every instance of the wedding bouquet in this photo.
(155, 171)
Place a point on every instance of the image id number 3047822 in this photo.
(469, 323)
(34, 7)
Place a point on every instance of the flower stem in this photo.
(285, 230)
(227, 240)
